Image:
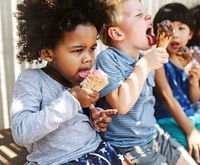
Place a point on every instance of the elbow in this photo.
(18, 138)
(125, 107)
(122, 113)
(123, 110)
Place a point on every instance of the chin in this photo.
(147, 47)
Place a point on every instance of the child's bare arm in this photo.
(127, 94)
(165, 93)
(194, 78)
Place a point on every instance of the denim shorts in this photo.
(161, 150)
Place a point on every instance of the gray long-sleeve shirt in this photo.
(48, 120)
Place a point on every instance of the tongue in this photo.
(83, 74)
(152, 39)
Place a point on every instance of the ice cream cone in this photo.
(96, 80)
(184, 55)
(164, 33)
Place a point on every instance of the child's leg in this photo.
(127, 161)
(185, 158)
(196, 122)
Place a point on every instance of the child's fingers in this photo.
(103, 124)
(106, 120)
(108, 112)
(93, 108)
(194, 149)
(161, 50)
(196, 153)
(102, 129)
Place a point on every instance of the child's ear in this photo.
(115, 33)
(191, 34)
(46, 54)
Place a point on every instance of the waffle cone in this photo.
(184, 55)
(183, 61)
(164, 33)
(162, 39)
(94, 83)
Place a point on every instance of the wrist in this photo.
(194, 84)
(143, 65)
(72, 92)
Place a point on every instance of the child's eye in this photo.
(181, 28)
(139, 15)
(93, 48)
(77, 50)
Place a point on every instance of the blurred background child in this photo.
(175, 91)
(194, 43)
(196, 36)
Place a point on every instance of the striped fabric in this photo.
(138, 126)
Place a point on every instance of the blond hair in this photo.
(113, 11)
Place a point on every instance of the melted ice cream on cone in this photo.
(96, 80)
(184, 55)
(195, 50)
(164, 33)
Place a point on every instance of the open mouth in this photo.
(151, 37)
(175, 45)
(83, 74)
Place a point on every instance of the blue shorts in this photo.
(104, 155)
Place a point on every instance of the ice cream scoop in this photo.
(184, 55)
(96, 80)
(164, 33)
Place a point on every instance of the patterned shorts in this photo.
(104, 155)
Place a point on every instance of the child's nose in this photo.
(88, 57)
(175, 33)
(148, 17)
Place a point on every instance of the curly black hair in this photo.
(42, 23)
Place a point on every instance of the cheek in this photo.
(198, 33)
(93, 61)
(186, 38)
(68, 62)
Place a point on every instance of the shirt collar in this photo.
(129, 60)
